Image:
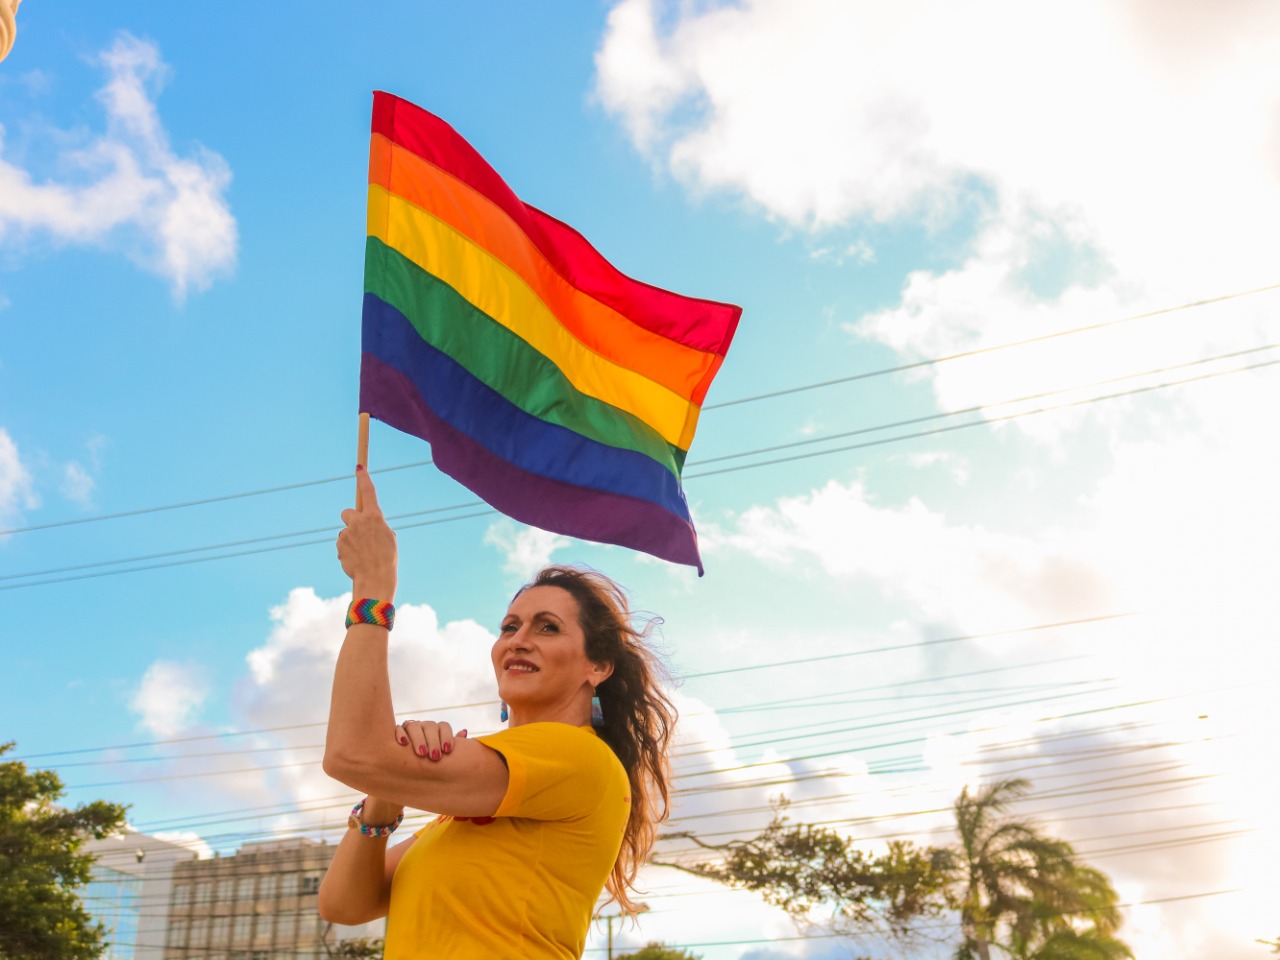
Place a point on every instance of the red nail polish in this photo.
(435, 754)
(446, 747)
(403, 741)
(462, 733)
(422, 751)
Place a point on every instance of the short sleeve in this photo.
(555, 771)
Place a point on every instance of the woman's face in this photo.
(540, 656)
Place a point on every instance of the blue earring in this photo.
(502, 714)
(597, 714)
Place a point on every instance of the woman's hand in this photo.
(427, 738)
(367, 547)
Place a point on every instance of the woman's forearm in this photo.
(361, 717)
(357, 886)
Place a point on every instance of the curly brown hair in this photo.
(639, 719)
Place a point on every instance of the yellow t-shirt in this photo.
(523, 883)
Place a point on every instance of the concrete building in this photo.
(259, 904)
(130, 887)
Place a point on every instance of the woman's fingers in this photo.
(416, 736)
(427, 738)
(442, 742)
(368, 495)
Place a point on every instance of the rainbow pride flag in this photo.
(560, 391)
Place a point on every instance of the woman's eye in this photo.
(508, 628)
(550, 628)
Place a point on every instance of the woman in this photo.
(535, 820)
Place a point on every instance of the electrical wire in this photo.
(886, 371)
(708, 673)
(688, 476)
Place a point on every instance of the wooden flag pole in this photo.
(362, 450)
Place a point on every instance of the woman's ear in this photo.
(600, 672)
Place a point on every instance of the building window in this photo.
(178, 933)
(287, 927)
(311, 883)
(204, 890)
(182, 895)
(268, 886)
(262, 929)
(220, 932)
(199, 931)
(243, 928)
(244, 889)
(226, 890)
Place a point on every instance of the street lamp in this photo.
(610, 917)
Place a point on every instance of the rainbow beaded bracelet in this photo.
(354, 822)
(380, 613)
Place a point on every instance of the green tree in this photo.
(658, 951)
(1018, 894)
(359, 948)
(41, 868)
(802, 869)
(1023, 891)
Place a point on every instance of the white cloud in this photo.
(859, 252)
(435, 668)
(1173, 530)
(77, 483)
(944, 571)
(1148, 178)
(169, 696)
(526, 550)
(189, 839)
(820, 110)
(16, 489)
(127, 188)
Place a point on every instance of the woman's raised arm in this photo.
(360, 745)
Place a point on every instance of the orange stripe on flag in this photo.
(684, 370)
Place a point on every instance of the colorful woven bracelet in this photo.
(365, 829)
(381, 613)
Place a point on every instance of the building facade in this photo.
(259, 904)
(130, 886)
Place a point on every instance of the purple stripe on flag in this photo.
(554, 505)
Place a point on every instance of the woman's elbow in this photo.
(335, 910)
(339, 766)
(341, 903)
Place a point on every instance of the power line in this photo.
(312, 763)
(933, 432)
(238, 543)
(1101, 618)
(991, 349)
(240, 814)
(886, 371)
(708, 673)
(985, 421)
(977, 408)
(206, 500)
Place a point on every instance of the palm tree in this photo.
(1023, 892)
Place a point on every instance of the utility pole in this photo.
(608, 918)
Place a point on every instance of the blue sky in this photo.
(181, 235)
